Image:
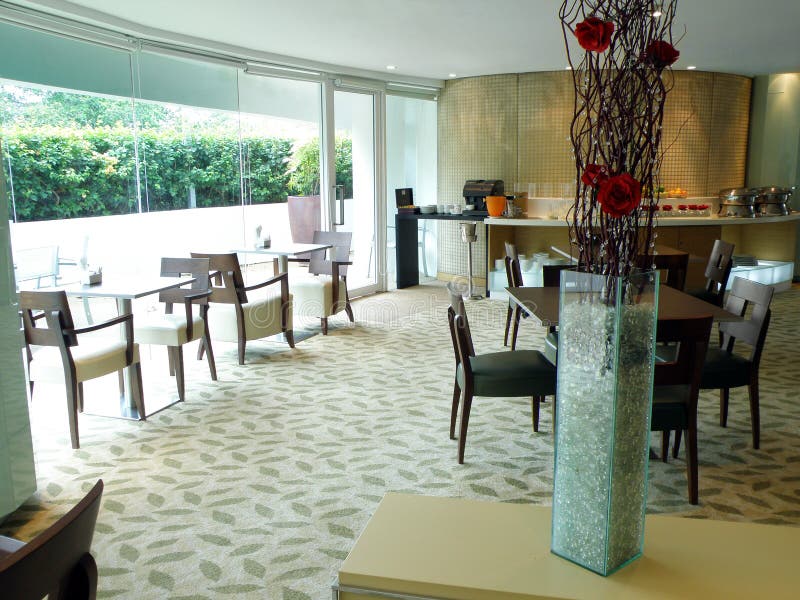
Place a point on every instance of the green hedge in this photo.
(65, 172)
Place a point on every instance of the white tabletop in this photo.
(285, 249)
(127, 289)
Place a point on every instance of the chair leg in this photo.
(171, 361)
(121, 382)
(289, 335)
(138, 391)
(535, 401)
(72, 412)
(755, 417)
(724, 396)
(466, 405)
(205, 342)
(454, 409)
(665, 445)
(509, 314)
(80, 397)
(349, 310)
(242, 343)
(677, 446)
(176, 352)
(200, 350)
(324, 325)
(691, 463)
(517, 315)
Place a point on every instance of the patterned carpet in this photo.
(258, 485)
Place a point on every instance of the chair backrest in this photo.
(53, 308)
(752, 331)
(675, 265)
(319, 265)
(58, 558)
(511, 250)
(176, 267)
(691, 336)
(457, 309)
(227, 283)
(513, 272)
(551, 274)
(718, 269)
(36, 263)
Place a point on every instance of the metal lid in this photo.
(739, 196)
(774, 190)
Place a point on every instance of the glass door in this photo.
(354, 190)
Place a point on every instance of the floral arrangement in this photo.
(625, 48)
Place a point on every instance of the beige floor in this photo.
(258, 484)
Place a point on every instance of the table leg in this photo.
(127, 404)
(283, 263)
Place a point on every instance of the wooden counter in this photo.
(767, 238)
(426, 547)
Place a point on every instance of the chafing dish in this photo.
(773, 201)
(737, 202)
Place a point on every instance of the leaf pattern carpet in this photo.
(259, 484)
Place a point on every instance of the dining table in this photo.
(543, 304)
(282, 252)
(124, 292)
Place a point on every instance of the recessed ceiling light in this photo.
(391, 67)
(568, 68)
(691, 68)
(657, 13)
(452, 74)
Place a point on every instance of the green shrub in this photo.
(65, 172)
(304, 179)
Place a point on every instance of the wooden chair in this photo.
(551, 277)
(57, 561)
(497, 374)
(514, 277)
(718, 270)
(723, 369)
(511, 252)
(60, 358)
(675, 265)
(174, 330)
(236, 318)
(323, 291)
(676, 385)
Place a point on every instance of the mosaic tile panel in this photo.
(515, 127)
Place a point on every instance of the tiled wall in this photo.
(515, 128)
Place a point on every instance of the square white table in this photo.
(282, 252)
(125, 291)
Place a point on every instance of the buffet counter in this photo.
(770, 238)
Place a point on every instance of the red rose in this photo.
(667, 207)
(660, 54)
(594, 34)
(619, 195)
(594, 175)
(693, 207)
(703, 207)
(682, 207)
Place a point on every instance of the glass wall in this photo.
(411, 140)
(109, 153)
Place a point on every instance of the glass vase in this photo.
(606, 349)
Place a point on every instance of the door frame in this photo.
(328, 171)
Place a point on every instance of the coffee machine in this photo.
(476, 190)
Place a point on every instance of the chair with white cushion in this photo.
(238, 315)
(173, 330)
(56, 356)
(322, 292)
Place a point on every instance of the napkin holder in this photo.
(92, 277)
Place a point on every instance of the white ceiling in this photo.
(433, 38)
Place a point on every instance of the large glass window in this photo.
(411, 163)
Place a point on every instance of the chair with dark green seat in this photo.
(497, 374)
(718, 270)
(723, 369)
(676, 385)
